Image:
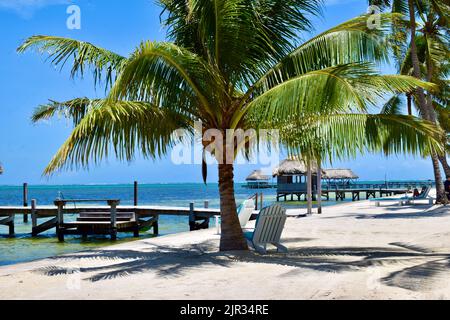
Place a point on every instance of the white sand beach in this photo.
(352, 251)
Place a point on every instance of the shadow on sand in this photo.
(423, 266)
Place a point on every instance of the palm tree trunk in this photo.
(425, 106)
(415, 61)
(232, 237)
(309, 187)
(440, 191)
(445, 165)
(319, 189)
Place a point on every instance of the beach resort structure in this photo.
(339, 178)
(292, 182)
(258, 180)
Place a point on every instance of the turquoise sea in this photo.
(24, 248)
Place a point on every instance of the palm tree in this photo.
(231, 64)
(427, 50)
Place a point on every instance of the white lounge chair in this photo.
(406, 200)
(268, 229)
(245, 211)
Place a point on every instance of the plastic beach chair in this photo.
(406, 200)
(245, 211)
(269, 226)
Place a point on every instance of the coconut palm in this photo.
(433, 15)
(231, 64)
(423, 57)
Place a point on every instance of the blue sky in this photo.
(27, 81)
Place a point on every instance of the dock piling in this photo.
(33, 214)
(60, 220)
(25, 201)
(136, 186)
(113, 204)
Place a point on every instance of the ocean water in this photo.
(25, 248)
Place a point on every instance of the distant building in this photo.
(292, 178)
(339, 178)
(258, 180)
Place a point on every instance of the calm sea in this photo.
(24, 248)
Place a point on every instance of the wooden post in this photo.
(319, 188)
(256, 201)
(60, 220)
(33, 216)
(206, 204)
(156, 226)
(113, 204)
(25, 201)
(135, 193)
(261, 202)
(192, 219)
(12, 231)
(309, 187)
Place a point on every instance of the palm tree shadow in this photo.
(169, 262)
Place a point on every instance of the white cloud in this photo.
(27, 7)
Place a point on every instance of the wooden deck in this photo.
(101, 219)
(341, 194)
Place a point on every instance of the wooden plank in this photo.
(50, 224)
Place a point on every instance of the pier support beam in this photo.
(193, 218)
(113, 204)
(136, 194)
(60, 220)
(9, 222)
(25, 201)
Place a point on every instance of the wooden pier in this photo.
(341, 194)
(94, 219)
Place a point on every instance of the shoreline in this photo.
(352, 251)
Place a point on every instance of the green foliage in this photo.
(237, 64)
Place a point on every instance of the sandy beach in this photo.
(352, 251)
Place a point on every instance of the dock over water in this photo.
(109, 219)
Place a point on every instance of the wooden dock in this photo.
(108, 219)
(341, 194)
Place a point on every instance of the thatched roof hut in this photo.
(258, 175)
(294, 167)
(339, 174)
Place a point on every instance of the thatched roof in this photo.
(292, 167)
(339, 174)
(258, 175)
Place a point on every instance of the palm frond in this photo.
(164, 73)
(337, 89)
(350, 42)
(122, 128)
(74, 110)
(84, 54)
(343, 136)
(393, 106)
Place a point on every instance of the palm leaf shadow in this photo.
(170, 262)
